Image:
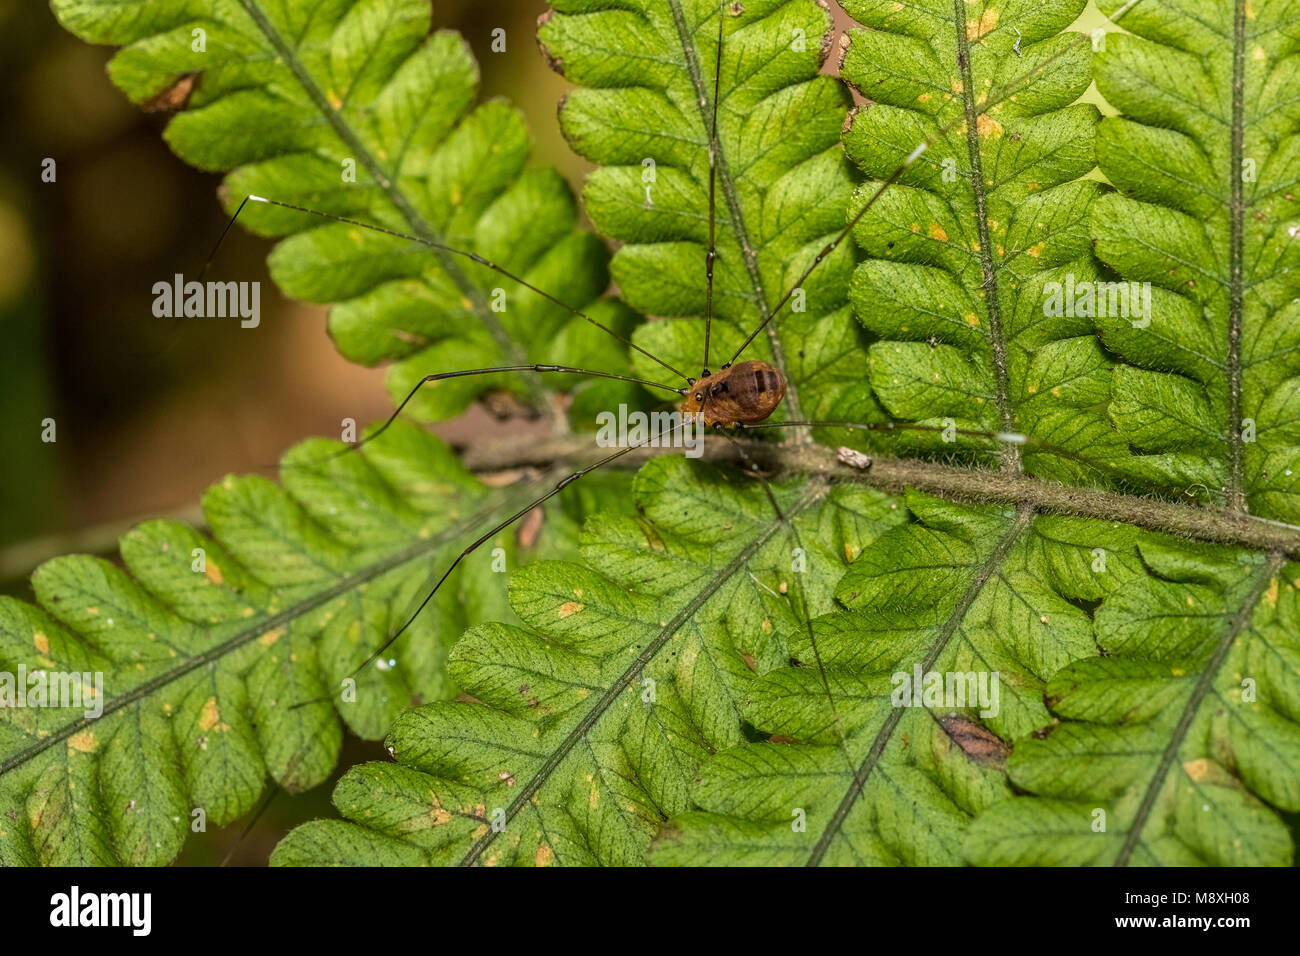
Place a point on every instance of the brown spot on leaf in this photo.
(978, 743)
(175, 97)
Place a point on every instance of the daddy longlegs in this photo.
(740, 396)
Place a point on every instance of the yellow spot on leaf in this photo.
(1270, 595)
(439, 816)
(984, 25)
(988, 126)
(270, 637)
(570, 607)
(936, 232)
(972, 320)
(545, 855)
(41, 642)
(213, 573)
(209, 715)
(1199, 770)
(84, 742)
(593, 798)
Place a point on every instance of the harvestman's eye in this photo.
(699, 397)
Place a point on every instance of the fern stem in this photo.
(747, 251)
(1236, 240)
(992, 564)
(955, 483)
(1239, 623)
(997, 341)
(398, 198)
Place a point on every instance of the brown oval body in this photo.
(745, 394)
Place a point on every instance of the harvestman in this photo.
(740, 395)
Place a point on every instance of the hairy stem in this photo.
(969, 485)
(1237, 216)
(988, 269)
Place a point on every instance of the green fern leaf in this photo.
(1182, 743)
(205, 645)
(355, 109)
(963, 245)
(644, 113)
(1205, 159)
(589, 723)
(856, 774)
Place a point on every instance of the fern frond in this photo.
(220, 658)
(589, 724)
(1205, 157)
(1180, 746)
(356, 109)
(889, 775)
(644, 112)
(963, 245)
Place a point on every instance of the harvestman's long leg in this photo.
(440, 376)
(713, 178)
(501, 526)
(472, 256)
(1000, 96)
